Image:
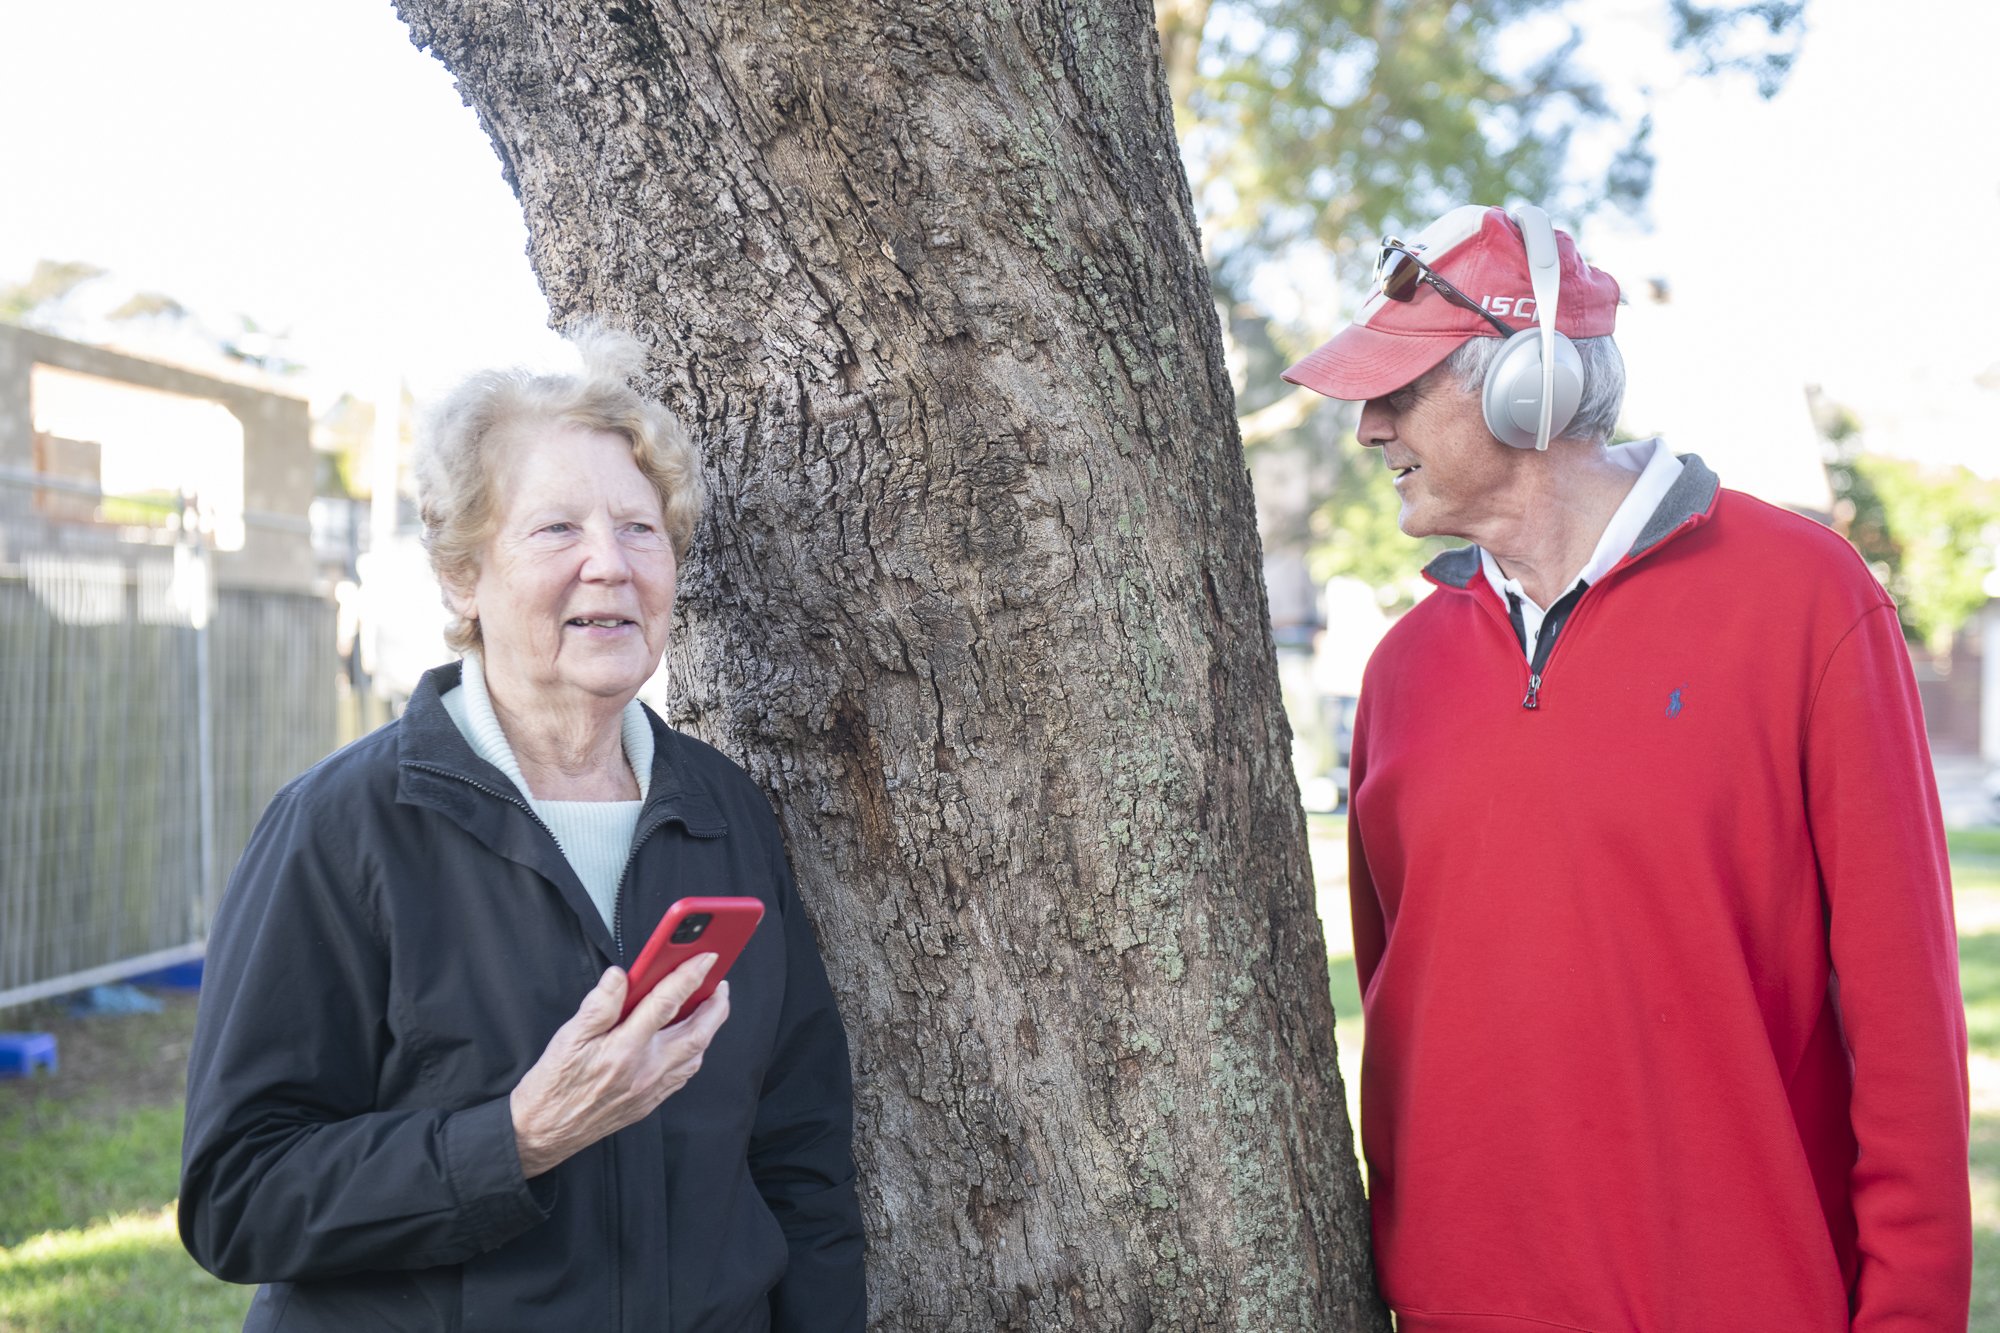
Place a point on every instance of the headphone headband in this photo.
(1544, 272)
(1534, 385)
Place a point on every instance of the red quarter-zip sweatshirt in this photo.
(1660, 976)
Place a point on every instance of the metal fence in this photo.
(145, 720)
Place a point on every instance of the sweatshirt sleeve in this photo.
(1371, 931)
(289, 1171)
(1877, 831)
(801, 1153)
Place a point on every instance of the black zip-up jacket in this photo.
(396, 947)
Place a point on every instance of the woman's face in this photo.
(576, 584)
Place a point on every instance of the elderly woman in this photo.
(411, 1102)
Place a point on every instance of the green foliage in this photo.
(146, 509)
(1326, 119)
(1326, 123)
(1738, 38)
(1928, 533)
(344, 436)
(150, 305)
(42, 301)
(1944, 525)
(50, 282)
(1354, 533)
(259, 348)
(1331, 120)
(1968, 844)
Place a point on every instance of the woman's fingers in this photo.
(593, 1080)
(599, 1011)
(704, 1021)
(679, 1049)
(690, 1037)
(666, 999)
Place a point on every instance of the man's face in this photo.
(1454, 478)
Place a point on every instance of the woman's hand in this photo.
(598, 1075)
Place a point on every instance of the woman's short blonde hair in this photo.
(462, 451)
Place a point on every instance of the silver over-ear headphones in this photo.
(1535, 383)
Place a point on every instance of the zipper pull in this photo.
(1534, 699)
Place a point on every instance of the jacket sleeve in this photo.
(1877, 831)
(289, 1171)
(801, 1153)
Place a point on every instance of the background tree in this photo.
(73, 299)
(1928, 533)
(1328, 120)
(1314, 127)
(978, 601)
(47, 286)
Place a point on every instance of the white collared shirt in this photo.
(1658, 469)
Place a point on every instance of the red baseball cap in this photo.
(1479, 251)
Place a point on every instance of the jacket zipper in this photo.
(617, 912)
(1534, 669)
(1554, 626)
(1545, 644)
(618, 902)
(617, 940)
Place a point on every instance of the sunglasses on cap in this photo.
(1399, 272)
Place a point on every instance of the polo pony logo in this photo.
(1674, 704)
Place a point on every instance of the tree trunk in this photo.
(978, 600)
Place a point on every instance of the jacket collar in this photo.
(431, 741)
(1689, 501)
(1691, 497)
(437, 769)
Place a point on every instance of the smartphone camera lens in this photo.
(688, 931)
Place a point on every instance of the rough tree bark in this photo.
(979, 601)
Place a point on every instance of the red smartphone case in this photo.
(721, 926)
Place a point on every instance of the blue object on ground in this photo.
(114, 999)
(181, 976)
(20, 1052)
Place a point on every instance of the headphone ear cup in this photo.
(1512, 399)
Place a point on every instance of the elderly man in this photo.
(1651, 907)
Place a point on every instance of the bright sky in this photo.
(303, 164)
(1843, 232)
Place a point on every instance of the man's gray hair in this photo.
(1603, 381)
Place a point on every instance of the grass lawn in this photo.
(1975, 868)
(90, 1156)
